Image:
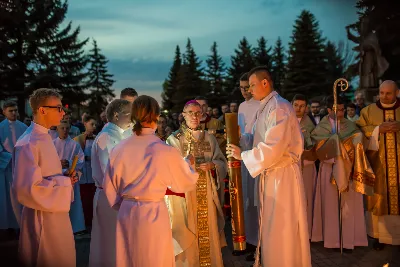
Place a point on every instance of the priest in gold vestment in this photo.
(380, 123)
(197, 219)
(344, 168)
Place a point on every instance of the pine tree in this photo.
(37, 49)
(262, 54)
(215, 75)
(383, 17)
(171, 83)
(278, 68)
(191, 83)
(241, 63)
(306, 67)
(100, 81)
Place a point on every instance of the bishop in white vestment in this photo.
(102, 244)
(143, 236)
(10, 130)
(198, 238)
(46, 237)
(67, 149)
(275, 158)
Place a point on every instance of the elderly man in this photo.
(380, 123)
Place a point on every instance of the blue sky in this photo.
(139, 36)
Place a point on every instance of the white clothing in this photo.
(53, 134)
(137, 191)
(277, 148)
(354, 119)
(246, 115)
(68, 149)
(10, 210)
(102, 244)
(87, 176)
(46, 237)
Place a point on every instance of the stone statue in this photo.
(372, 64)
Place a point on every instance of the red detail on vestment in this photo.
(170, 193)
(239, 239)
(234, 164)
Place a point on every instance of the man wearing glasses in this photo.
(46, 193)
(247, 111)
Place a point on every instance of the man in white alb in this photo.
(10, 130)
(246, 118)
(275, 156)
(46, 193)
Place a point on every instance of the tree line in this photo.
(309, 65)
(38, 51)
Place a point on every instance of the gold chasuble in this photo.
(350, 160)
(199, 215)
(385, 161)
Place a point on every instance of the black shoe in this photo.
(250, 257)
(378, 246)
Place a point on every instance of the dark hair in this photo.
(128, 92)
(88, 118)
(351, 105)
(115, 106)
(40, 96)
(262, 73)
(244, 77)
(329, 101)
(299, 97)
(144, 109)
(201, 98)
(9, 104)
(315, 101)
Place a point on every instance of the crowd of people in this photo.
(149, 187)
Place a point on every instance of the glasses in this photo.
(60, 108)
(244, 88)
(194, 114)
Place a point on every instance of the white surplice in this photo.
(183, 211)
(247, 112)
(46, 237)
(10, 210)
(102, 244)
(137, 191)
(68, 149)
(326, 209)
(277, 148)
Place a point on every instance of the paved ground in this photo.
(321, 257)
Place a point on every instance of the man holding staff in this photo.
(275, 158)
(46, 237)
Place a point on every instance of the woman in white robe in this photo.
(184, 211)
(143, 236)
(102, 243)
(67, 149)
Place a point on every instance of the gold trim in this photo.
(391, 164)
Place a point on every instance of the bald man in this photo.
(380, 123)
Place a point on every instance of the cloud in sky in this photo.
(139, 37)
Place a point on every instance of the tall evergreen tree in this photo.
(32, 31)
(383, 17)
(241, 63)
(215, 75)
(100, 81)
(171, 83)
(191, 81)
(306, 65)
(262, 53)
(278, 68)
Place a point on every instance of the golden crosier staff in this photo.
(344, 85)
(235, 185)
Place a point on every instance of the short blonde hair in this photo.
(40, 96)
